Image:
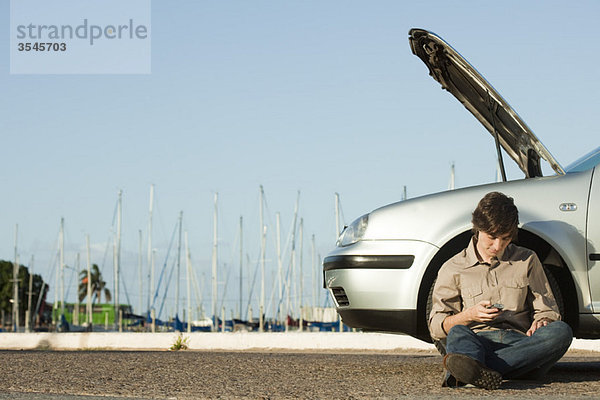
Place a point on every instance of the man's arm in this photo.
(446, 300)
(447, 308)
(477, 313)
(543, 304)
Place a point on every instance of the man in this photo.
(494, 307)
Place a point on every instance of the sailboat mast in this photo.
(292, 259)
(279, 261)
(314, 273)
(28, 321)
(318, 266)
(15, 310)
(62, 267)
(140, 273)
(337, 215)
(188, 278)
(18, 319)
(301, 244)
(178, 266)
(152, 273)
(76, 310)
(117, 257)
(214, 266)
(89, 281)
(56, 288)
(149, 250)
(241, 267)
(263, 244)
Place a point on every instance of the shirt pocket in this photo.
(514, 294)
(472, 295)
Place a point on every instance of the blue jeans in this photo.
(510, 352)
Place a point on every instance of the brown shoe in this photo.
(450, 381)
(469, 370)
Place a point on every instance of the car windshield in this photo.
(589, 161)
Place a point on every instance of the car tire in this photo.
(440, 345)
(555, 291)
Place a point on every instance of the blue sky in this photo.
(316, 96)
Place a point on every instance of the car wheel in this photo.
(555, 291)
(441, 345)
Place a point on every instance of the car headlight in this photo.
(354, 232)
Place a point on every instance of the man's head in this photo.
(495, 223)
(497, 215)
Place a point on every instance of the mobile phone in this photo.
(496, 305)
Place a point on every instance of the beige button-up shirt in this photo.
(515, 279)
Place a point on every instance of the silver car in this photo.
(382, 271)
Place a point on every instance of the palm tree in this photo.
(98, 285)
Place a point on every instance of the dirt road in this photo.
(266, 375)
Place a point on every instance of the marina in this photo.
(275, 290)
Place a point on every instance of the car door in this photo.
(593, 240)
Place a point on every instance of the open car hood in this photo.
(459, 77)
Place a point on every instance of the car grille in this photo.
(340, 296)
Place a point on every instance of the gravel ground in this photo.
(265, 375)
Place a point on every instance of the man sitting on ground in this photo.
(494, 307)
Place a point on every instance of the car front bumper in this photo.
(373, 283)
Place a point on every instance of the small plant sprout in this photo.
(181, 343)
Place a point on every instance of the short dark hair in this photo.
(496, 215)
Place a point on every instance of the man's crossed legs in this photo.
(484, 358)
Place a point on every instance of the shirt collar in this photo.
(471, 255)
(471, 259)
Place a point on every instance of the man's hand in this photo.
(538, 324)
(482, 312)
(477, 313)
